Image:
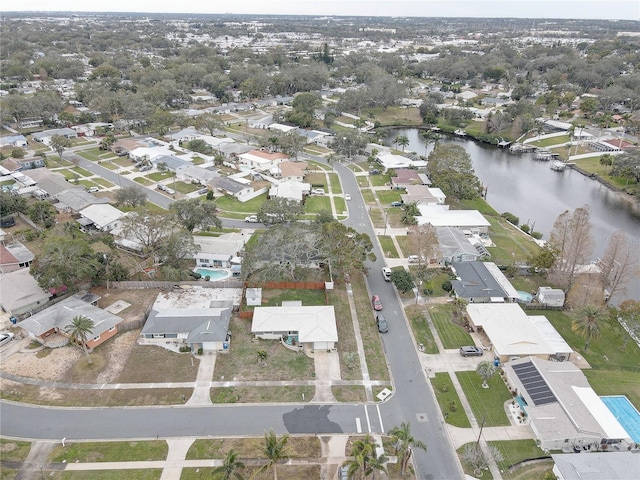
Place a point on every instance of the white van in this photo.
(386, 274)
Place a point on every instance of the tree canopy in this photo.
(451, 170)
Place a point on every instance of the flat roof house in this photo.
(563, 410)
(441, 216)
(314, 326)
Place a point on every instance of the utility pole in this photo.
(481, 427)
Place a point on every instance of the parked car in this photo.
(347, 196)
(161, 187)
(396, 204)
(203, 191)
(377, 304)
(414, 259)
(318, 191)
(471, 351)
(6, 337)
(146, 168)
(386, 274)
(251, 219)
(381, 322)
(93, 189)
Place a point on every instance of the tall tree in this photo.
(363, 452)
(423, 242)
(12, 204)
(193, 212)
(619, 263)
(209, 121)
(586, 323)
(79, 330)
(450, 169)
(132, 196)
(229, 468)
(60, 144)
(276, 450)
(572, 240)
(43, 213)
(405, 443)
(148, 228)
(345, 249)
(401, 140)
(279, 210)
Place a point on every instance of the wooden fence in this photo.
(134, 285)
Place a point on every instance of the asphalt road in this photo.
(412, 401)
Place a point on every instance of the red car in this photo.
(377, 304)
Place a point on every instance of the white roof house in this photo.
(290, 190)
(219, 251)
(261, 160)
(441, 216)
(514, 334)
(103, 217)
(315, 326)
(596, 465)
(390, 160)
(562, 409)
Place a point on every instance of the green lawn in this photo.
(14, 450)
(615, 382)
(137, 474)
(379, 180)
(275, 298)
(340, 203)
(158, 176)
(388, 196)
(197, 160)
(103, 182)
(231, 204)
(362, 181)
(421, 331)
(452, 335)
(367, 195)
(95, 154)
(143, 181)
(388, 248)
(403, 242)
(185, 188)
(110, 452)
(486, 403)
(547, 142)
(109, 165)
(335, 183)
(316, 204)
(82, 172)
(449, 401)
(319, 165)
(316, 180)
(122, 161)
(68, 174)
(515, 451)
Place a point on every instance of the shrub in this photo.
(446, 286)
(511, 218)
(453, 406)
(185, 348)
(525, 228)
(536, 235)
(199, 351)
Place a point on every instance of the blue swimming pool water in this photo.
(213, 273)
(625, 413)
(525, 296)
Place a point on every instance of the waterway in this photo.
(536, 194)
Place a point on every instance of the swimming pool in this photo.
(214, 274)
(625, 413)
(525, 297)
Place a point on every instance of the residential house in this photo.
(561, 407)
(20, 292)
(261, 160)
(596, 465)
(423, 195)
(170, 162)
(13, 141)
(441, 216)
(482, 282)
(455, 246)
(51, 182)
(74, 200)
(45, 136)
(513, 334)
(103, 218)
(196, 328)
(49, 326)
(289, 171)
(220, 252)
(237, 188)
(193, 173)
(408, 176)
(14, 257)
(311, 327)
(391, 160)
(22, 164)
(290, 190)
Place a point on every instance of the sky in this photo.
(584, 9)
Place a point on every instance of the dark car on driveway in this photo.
(377, 304)
(471, 351)
(396, 204)
(381, 322)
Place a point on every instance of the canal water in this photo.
(536, 194)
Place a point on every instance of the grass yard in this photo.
(403, 242)
(95, 154)
(137, 474)
(486, 403)
(274, 298)
(317, 180)
(143, 181)
(14, 450)
(349, 393)
(109, 452)
(141, 366)
(109, 166)
(335, 183)
(449, 401)
(316, 204)
(82, 172)
(347, 347)
(616, 382)
(185, 188)
(420, 327)
(376, 217)
(547, 142)
(376, 362)
(340, 203)
(318, 165)
(368, 196)
(379, 180)
(122, 161)
(103, 182)
(388, 248)
(515, 451)
(231, 204)
(286, 393)
(159, 176)
(396, 116)
(242, 361)
(363, 181)
(388, 196)
(452, 335)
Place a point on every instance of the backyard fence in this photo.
(134, 285)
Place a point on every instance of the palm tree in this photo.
(275, 449)
(79, 329)
(363, 452)
(586, 323)
(606, 160)
(229, 468)
(404, 444)
(401, 140)
(376, 464)
(486, 370)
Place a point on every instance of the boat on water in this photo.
(558, 166)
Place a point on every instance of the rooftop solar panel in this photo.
(534, 384)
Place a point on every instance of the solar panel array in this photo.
(535, 385)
